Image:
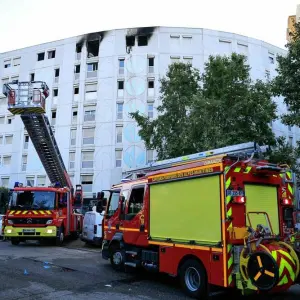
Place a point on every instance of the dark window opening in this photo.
(93, 48)
(26, 139)
(151, 61)
(142, 40)
(78, 48)
(135, 203)
(41, 56)
(76, 90)
(120, 85)
(51, 54)
(75, 113)
(9, 121)
(53, 115)
(77, 69)
(32, 77)
(150, 84)
(55, 92)
(130, 40)
(56, 71)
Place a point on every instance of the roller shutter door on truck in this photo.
(262, 198)
(186, 210)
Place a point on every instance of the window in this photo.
(24, 163)
(9, 120)
(119, 134)
(15, 79)
(150, 155)
(187, 39)
(291, 140)
(88, 136)
(121, 65)
(31, 76)
(78, 51)
(92, 69)
(7, 63)
(26, 141)
(74, 116)
(17, 61)
(51, 54)
(271, 60)
(175, 40)
(188, 60)
(150, 111)
(92, 48)
(87, 159)
(5, 181)
(8, 139)
(73, 137)
(5, 80)
(150, 64)
(72, 160)
(151, 88)
(1, 140)
(87, 183)
(6, 160)
(76, 90)
(175, 59)
(91, 92)
(29, 181)
(119, 111)
(89, 114)
(55, 92)
(142, 40)
(53, 118)
(118, 155)
(76, 72)
(41, 181)
(121, 88)
(2, 120)
(135, 203)
(130, 41)
(56, 72)
(41, 56)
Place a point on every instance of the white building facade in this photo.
(95, 80)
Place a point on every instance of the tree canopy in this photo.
(198, 112)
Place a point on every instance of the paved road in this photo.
(30, 271)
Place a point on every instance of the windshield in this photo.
(113, 203)
(32, 200)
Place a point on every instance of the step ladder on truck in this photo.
(221, 218)
(38, 213)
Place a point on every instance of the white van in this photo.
(1, 225)
(92, 227)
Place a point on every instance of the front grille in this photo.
(38, 221)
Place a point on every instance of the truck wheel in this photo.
(116, 258)
(15, 241)
(193, 279)
(60, 237)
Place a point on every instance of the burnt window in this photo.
(130, 41)
(78, 48)
(142, 40)
(41, 56)
(93, 48)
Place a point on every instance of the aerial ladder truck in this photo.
(38, 213)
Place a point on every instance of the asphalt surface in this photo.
(32, 271)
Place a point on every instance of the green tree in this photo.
(169, 133)
(287, 81)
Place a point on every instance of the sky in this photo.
(26, 23)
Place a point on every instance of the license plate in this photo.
(28, 230)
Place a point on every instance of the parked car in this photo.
(92, 232)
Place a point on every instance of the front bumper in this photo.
(30, 232)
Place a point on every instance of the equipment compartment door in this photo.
(262, 198)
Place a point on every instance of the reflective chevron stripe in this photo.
(29, 212)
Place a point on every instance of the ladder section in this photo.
(42, 137)
(245, 148)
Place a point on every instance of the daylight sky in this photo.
(29, 22)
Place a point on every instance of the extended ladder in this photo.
(28, 100)
(244, 148)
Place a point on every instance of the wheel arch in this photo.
(117, 241)
(190, 257)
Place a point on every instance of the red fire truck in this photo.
(217, 218)
(41, 212)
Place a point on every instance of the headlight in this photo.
(49, 231)
(49, 222)
(10, 222)
(8, 231)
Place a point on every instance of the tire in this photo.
(193, 279)
(59, 241)
(15, 241)
(117, 258)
